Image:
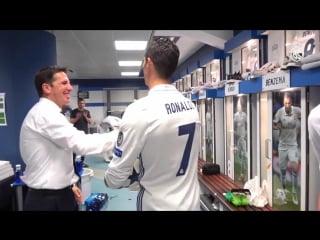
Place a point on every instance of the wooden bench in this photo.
(218, 184)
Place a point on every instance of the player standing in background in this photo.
(287, 119)
(163, 129)
(81, 118)
(209, 132)
(240, 122)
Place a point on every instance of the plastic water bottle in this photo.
(18, 184)
(17, 178)
(79, 167)
(96, 202)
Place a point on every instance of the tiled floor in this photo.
(119, 199)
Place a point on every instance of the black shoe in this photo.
(85, 165)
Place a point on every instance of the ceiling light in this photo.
(130, 63)
(130, 45)
(129, 73)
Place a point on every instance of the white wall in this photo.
(98, 113)
(142, 93)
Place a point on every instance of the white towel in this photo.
(4, 163)
(7, 172)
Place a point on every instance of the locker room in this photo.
(254, 152)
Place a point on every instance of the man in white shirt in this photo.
(47, 141)
(163, 130)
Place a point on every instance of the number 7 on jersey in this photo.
(186, 129)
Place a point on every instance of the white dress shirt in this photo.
(47, 141)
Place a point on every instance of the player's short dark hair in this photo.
(164, 54)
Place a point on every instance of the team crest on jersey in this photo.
(120, 139)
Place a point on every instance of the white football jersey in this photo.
(289, 123)
(163, 130)
(240, 121)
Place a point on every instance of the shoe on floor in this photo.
(85, 165)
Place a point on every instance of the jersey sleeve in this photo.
(131, 139)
